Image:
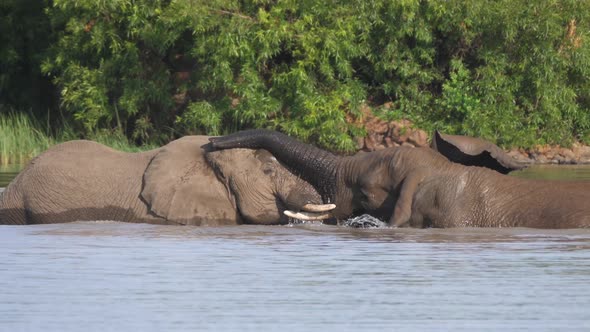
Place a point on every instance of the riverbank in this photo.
(382, 134)
(22, 138)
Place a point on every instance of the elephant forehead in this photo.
(239, 156)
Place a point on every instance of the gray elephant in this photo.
(472, 151)
(180, 183)
(421, 188)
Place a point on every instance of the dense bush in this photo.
(516, 71)
(24, 35)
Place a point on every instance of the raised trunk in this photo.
(312, 164)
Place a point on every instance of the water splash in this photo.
(364, 221)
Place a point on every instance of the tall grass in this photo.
(22, 138)
(116, 140)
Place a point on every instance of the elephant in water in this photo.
(419, 187)
(472, 151)
(180, 183)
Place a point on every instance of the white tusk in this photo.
(318, 207)
(307, 215)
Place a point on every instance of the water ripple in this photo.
(118, 276)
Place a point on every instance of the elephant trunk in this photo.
(312, 164)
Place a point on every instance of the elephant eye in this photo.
(363, 195)
(267, 169)
(370, 193)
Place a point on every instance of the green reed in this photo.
(22, 138)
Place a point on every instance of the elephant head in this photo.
(472, 151)
(335, 178)
(263, 188)
(188, 184)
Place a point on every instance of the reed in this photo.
(117, 140)
(22, 138)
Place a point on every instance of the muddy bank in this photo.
(383, 134)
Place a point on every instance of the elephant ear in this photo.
(179, 185)
(471, 151)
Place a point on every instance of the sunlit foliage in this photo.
(514, 71)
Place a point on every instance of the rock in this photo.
(376, 125)
(399, 131)
(558, 159)
(541, 159)
(584, 152)
(567, 153)
(402, 138)
(360, 143)
(389, 142)
(520, 156)
(550, 154)
(542, 149)
(569, 157)
(378, 138)
(418, 138)
(369, 143)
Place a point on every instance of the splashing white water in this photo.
(364, 221)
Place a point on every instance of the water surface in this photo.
(555, 172)
(98, 276)
(115, 276)
(8, 172)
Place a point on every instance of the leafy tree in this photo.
(517, 72)
(24, 35)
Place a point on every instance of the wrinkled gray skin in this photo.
(176, 184)
(419, 187)
(472, 151)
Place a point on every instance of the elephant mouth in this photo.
(310, 212)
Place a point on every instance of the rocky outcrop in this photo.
(383, 134)
(546, 154)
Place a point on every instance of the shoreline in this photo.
(383, 134)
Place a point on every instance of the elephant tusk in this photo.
(307, 215)
(318, 207)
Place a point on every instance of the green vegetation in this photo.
(22, 138)
(513, 71)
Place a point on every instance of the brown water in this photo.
(133, 277)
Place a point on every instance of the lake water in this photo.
(98, 276)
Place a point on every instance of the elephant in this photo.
(472, 151)
(181, 183)
(419, 187)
